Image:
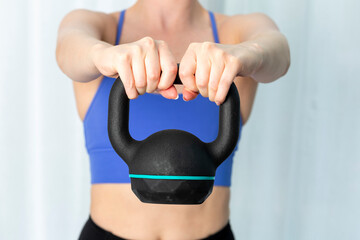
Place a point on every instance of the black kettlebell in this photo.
(172, 166)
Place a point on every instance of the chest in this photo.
(177, 41)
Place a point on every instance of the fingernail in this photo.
(185, 99)
(177, 97)
(217, 103)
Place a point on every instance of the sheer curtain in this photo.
(296, 173)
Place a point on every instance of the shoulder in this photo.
(240, 27)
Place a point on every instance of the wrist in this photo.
(259, 52)
(254, 58)
(96, 49)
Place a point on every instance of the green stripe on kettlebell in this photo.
(172, 177)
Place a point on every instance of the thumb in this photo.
(189, 95)
(170, 93)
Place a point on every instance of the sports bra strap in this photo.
(214, 28)
(119, 28)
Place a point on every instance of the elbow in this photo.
(287, 63)
(287, 67)
(59, 51)
(60, 58)
(287, 57)
(284, 59)
(284, 72)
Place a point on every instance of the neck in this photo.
(167, 15)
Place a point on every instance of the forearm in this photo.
(77, 38)
(273, 56)
(75, 50)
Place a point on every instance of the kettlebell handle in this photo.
(125, 146)
(177, 78)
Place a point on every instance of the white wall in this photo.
(296, 173)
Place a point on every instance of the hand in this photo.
(209, 68)
(139, 65)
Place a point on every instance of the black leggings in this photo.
(91, 231)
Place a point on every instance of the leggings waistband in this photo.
(91, 231)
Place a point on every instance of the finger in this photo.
(202, 75)
(187, 69)
(226, 80)
(169, 93)
(168, 68)
(127, 78)
(216, 71)
(189, 95)
(138, 67)
(152, 66)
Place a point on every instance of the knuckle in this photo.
(212, 87)
(220, 54)
(172, 68)
(233, 60)
(123, 58)
(163, 85)
(136, 49)
(140, 84)
(161, 43)
(204, 94)
(208, 46)
(133, 96)
(231, 80)
(193, 45)
(201, 82)
(220, 99)
(152, 76)
(129, 84)
(183, 73)
(227, 81)
(149, 42)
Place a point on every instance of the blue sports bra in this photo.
(149, 113)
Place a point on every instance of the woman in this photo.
(143, 45)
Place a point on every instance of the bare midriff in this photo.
(115, 208)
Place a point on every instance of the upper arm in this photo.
(97, 24)
(249, 25)
(241, 28)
